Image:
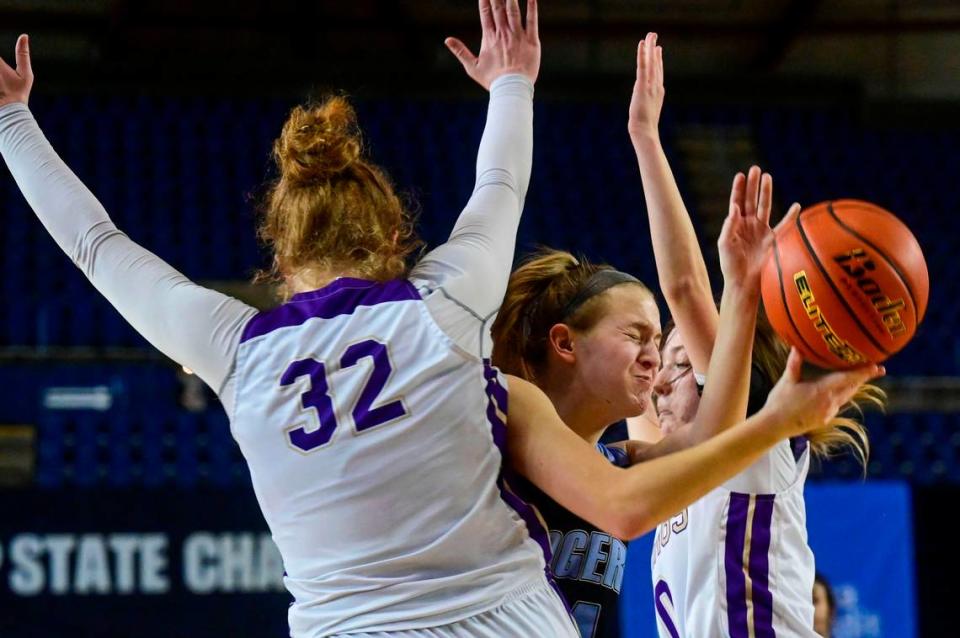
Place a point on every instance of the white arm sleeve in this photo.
(464, 279)
(194, 326)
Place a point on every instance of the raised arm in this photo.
(680, 266)
(196, 327)
(630, 502)
(744, 246)
(474, 264)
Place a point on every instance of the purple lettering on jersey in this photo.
(665, 615)
(733, 565)
(364, 415)
(341, 297)
(760, 566)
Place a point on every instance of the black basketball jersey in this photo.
(588, 563)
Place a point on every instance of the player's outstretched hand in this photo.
(647, 100)
(804, 406)
(746, 239)
(15, 83)
(507, 46)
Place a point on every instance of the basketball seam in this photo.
(836, 291)
(786, 308)
(903, 280)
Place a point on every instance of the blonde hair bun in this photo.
(318, 142)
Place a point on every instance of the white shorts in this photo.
(534, 611)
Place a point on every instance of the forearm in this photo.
(625, 502)
(655, 490)
(505, 156)
(681, 269)
(675, 245)
(725, 395)
(473, 266)
(63, 204)
(150, 294)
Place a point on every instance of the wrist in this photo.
(644, 136)
(742, 289)
(7, 100)
(770, 425)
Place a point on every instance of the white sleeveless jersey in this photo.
(372, 440)
(737, 563)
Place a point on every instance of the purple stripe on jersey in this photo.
(341, 297)
(733, 564)
(497, 398)
(760, 566)
(799, 445)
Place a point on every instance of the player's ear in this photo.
(560, 343)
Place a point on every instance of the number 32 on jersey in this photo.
(317, 402)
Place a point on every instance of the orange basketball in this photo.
(846, 283)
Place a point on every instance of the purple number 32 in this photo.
(365, 415)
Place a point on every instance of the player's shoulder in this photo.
(342, 297)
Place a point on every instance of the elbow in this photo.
(631, 524)
(627, 517)
(678, 290)
(502, 177)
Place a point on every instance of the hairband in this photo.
(598, 282)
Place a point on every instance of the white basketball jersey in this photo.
(373, 444)
(736, 563)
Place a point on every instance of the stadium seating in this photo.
(182, 175)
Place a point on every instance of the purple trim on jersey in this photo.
(497, 397)
(733, 563)
(799, 445)
(760, 566)
(341, 297)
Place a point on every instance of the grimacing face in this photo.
(675, 386)
(617, 358)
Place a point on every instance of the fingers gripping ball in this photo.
(846, 283)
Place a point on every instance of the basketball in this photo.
(846, 283)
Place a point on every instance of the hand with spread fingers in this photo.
(746, 238)
(648, 93)
(15, 83)
(507, 45)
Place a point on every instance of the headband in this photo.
(598, 282)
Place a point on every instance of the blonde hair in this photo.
(537, 294)
(331, 209)
(844, 431)
(841, 432)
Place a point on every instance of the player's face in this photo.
(675, 386)
(618, 357)
(821, 611)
